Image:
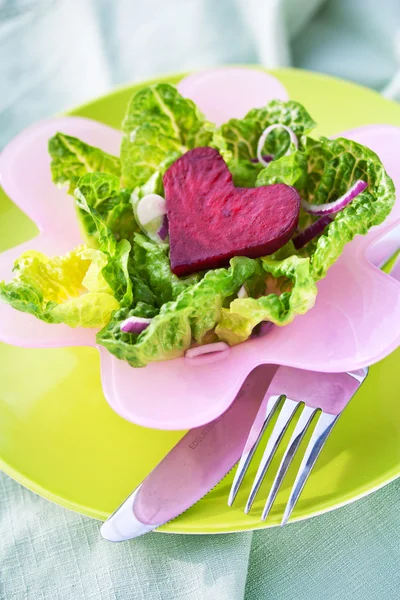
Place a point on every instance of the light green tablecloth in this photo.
(48, 553)
(57, 53)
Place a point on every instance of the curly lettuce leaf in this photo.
(191, 316)
(103, 193)
(152, 264)
(68, 289)
(323, 170)
(72, 158)
(141, 292)
(244, 172)
(167, 340)
(159, 126)
(292, 279)
(333, 167)
(240, 136)
(290, 169)
(115, 271)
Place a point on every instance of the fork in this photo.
(304, 392)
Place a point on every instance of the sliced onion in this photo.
(134, 324)
(265, 134)
(151, 207)
(242, 293)
(163, 230)
(206, 349)
(308, 234)
(333, 207)
(266, 157)
(151, 214)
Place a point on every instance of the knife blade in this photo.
(198, 462)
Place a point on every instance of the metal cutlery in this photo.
(207, 453)
(304, 392)
(195, 465)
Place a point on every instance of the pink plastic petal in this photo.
(351, 326)
(230, 92)
(26, 178)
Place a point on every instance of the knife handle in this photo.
(193, 467)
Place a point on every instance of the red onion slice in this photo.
(206, 349)
(308, 234)
(135, 325)
(333, 207)
(265, 134)
(163, 230)
(266, 157)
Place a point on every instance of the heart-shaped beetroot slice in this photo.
(211, 220)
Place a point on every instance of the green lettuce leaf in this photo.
(167, 340)
(241, 135)
(72, 158)
(244, 172)
(290, 169)
(103, 193)
(141, 292)
(159, 126)
(333, 167)
(193, 314)
(294, 294)
(153, 185)
(151, 261)
(237, 142)
(116, 270)
(323, 170)
(68, 289)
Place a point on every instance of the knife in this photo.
(206, 454)
(198, 462)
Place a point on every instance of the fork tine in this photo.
(256, 432)
(285, 416)
(319, 436)
(298, 434)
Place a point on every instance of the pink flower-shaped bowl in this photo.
(356, 320)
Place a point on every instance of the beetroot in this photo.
(211, 220)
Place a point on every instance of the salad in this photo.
(199, 237)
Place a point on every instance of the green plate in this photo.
(59, 437)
